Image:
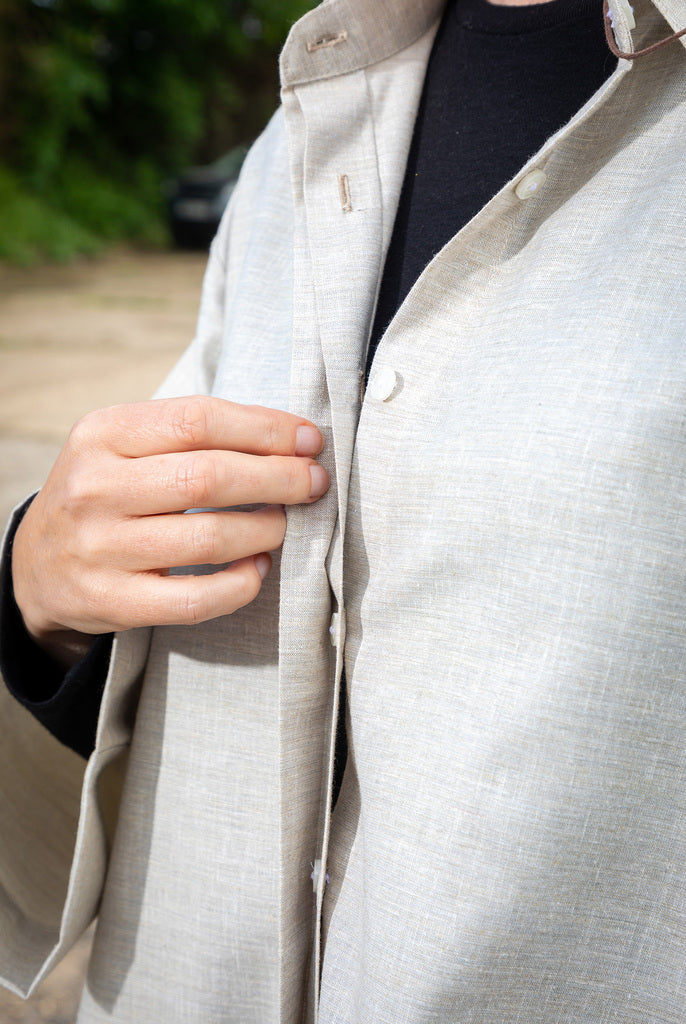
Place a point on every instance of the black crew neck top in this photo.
(499, 82)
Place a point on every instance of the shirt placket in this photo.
(342, 209)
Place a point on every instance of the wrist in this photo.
(66, 646)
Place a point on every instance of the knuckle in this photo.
(190, 422)
(85, 432)
(90, 550)
(94, 596)
(197, 479)
(272, 433)
(204, 540)
(194, 606)
(78, 492)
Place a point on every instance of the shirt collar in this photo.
(341, 36)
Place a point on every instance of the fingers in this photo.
(214, 479)
(135, 590)
(92, 551)
(204, 538)
(188, 600)
(156, 599)
(192, 424)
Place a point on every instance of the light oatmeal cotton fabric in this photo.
(499, 563)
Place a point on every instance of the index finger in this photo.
(164, 426)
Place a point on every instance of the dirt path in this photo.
(73, 339)
(80, 337)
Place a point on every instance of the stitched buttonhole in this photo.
(344, 193)
(321, 44)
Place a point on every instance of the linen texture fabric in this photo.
(503, 550)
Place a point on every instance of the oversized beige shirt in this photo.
(499, 562)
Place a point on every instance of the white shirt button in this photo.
(530, 184)
(383, 383)
(333, 629)
(316, 872)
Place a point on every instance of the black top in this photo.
(68, 704)
(499, 82)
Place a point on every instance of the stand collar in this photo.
(341, 36)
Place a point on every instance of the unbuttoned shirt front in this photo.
(499, 563)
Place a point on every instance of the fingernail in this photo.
(320, 481)
(308, 441)
(263, 564)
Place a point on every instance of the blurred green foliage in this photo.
(101, 100)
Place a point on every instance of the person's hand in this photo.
(93, 551)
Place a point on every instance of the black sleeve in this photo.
(66, 703)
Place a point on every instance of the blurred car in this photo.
(198, 197)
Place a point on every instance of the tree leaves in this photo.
(129, 92)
